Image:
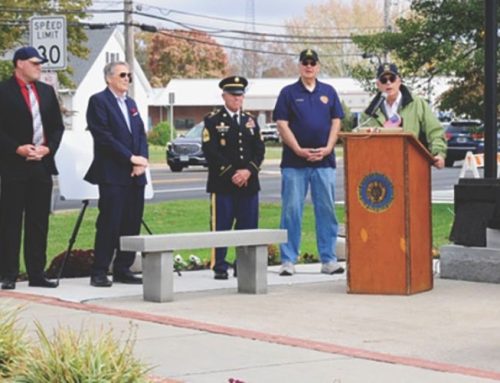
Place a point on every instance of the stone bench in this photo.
(158, 257)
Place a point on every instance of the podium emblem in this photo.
(376, 192)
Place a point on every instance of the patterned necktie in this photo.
(37, 118)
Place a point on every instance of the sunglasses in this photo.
(392, 79)
(125, 74)
(309, 63)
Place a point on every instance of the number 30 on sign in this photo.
(48, 35)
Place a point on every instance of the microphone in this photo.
(372, 109)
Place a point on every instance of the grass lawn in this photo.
(193, 215)
(273, 152)
(157, 154)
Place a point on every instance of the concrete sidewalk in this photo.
(306, 329)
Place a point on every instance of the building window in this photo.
(183, 123)
(112, 57)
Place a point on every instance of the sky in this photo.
(266, 11)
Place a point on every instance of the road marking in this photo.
(177, 181)
(178, 190)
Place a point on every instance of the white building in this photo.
(105, 45)
(194, 98)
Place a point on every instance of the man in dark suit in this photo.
(119, 165)
(234, 150)
(31, 129)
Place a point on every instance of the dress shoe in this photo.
(42, 282)
(8, 284)
(100, 281)
(220, 275)
(127, 278)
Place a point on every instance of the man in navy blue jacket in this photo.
(119, 165)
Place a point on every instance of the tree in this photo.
(336, 20)
(187, 54)
(14, 27)
(265, 65)
(438, 38)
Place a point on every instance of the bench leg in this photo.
(252, 269)
(158, 277)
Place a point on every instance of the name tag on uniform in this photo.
(222, 128)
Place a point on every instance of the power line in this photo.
(235, 31)
(255, 36)
(192, 39)
(20, 9)
(188, 26)
(168, 11)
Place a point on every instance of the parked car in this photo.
(270, 133)
(186, 150)
(480, 146)
(462, 136)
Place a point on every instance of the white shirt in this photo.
(232, 114)
(123, 107)
(392, 110)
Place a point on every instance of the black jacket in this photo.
(229, 147)
(16, 126)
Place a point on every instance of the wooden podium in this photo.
(388, 213)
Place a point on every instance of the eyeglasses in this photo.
(125, 74)
(309, 63)
(391, 78)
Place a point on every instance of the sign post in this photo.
(48, 35)
(171, 101)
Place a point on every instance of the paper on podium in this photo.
(377, 129)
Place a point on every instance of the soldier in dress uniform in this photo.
(234, 150)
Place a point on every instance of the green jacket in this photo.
(417, 117)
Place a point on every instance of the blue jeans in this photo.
(294, 187)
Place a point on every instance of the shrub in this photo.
(348, 120)
(160, 134)
(12, 342)
(86, 356)
(273, 255)
(78, 264)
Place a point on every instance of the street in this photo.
(190, 184)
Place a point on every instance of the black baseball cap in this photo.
(387, 68)
(26, 53)
(234, 85)
(308, 54)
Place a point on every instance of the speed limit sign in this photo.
(48, 35)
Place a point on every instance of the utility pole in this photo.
(387, 20)
(387, 15)
(490, 90)
(249, 65)
(128, 7)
